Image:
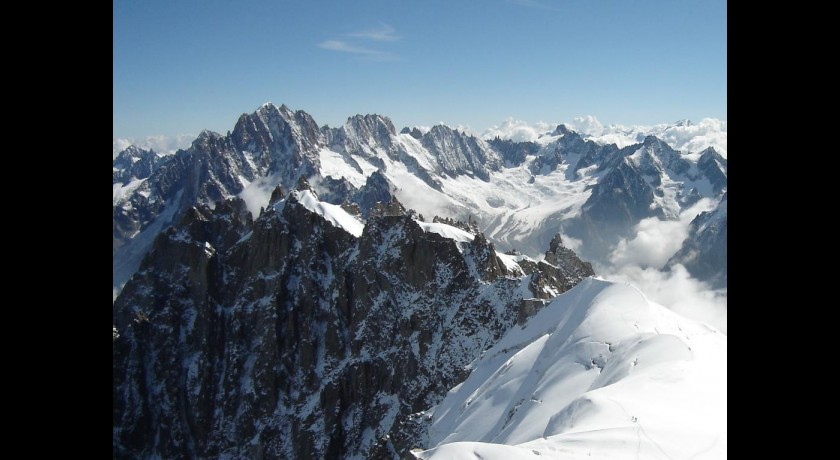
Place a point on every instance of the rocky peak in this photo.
(553, 247)
(458, 153)
(136, 163)
(561, 256)
(561, 270)
(413, 132)
(276, 195)
(560, 130)
(377, 189)
(288, 129)
(486, 262)
(391, 208)
(371, 125)
(366, 134)
(714, 166)
(303, 184)
(652, 141)
(132, 151)
(469, 226)
(206, 140)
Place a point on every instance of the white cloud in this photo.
(466, 129)
(656, 240)
(678, 291)
(586, 124)
(572, 243)
(161, 144)
(638, 261)
(257, 194)
(337, 45)
(688, 138)
(382, 33)
(360, 41)
(709, 132)
(517, 130)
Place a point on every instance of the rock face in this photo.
(458, 153)
(703, 253)
(293, 336)
(271, 142)
(513, 153)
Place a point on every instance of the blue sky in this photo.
(181, 66)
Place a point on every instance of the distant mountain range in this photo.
(519, 193)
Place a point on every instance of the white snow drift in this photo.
(601, 372)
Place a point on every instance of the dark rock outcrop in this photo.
(561, 269)
(377, 189)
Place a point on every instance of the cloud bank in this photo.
(518, 130)
(688, 137)
(656, 240)
(639, 260)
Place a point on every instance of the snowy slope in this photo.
(448, 231)
(601, 372)
(332, 213)
(516, 206)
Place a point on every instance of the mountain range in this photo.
(289, 290)
(520, 194)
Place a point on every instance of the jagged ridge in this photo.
(288, 336)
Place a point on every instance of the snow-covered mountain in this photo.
(306, 333)
(519, 194)
(601, 372)
(293, 291)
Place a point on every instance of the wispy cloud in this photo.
(360, 43)
(338, 45)
(383, 33)
(542, 5)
